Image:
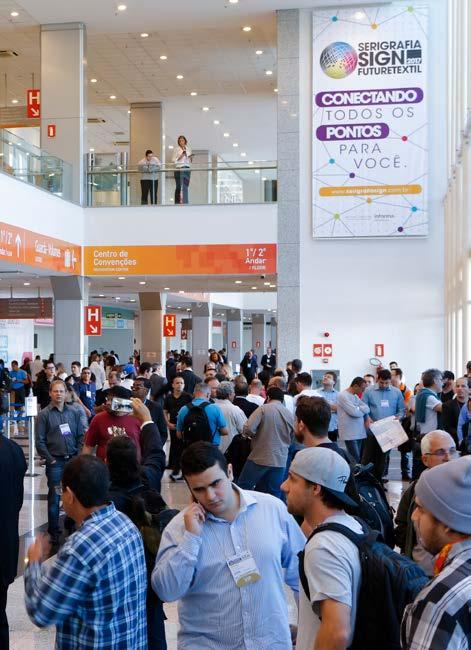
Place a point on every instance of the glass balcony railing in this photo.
(32, 165)
(118, 185)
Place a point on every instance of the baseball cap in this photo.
(324, 467)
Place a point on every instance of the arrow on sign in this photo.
(34, 111)
(93, 329)
(18, 245)
(168, 331)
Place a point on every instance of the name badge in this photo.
(65, 429)
(385, 403)
(243, 569)
(88, 393)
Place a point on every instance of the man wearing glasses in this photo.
(43, 384)
(437, 447)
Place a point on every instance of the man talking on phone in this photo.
(225, 558)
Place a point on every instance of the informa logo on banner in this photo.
(370, 131)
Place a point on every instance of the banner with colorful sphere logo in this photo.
(370, 127)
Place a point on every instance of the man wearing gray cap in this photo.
(439, 619)
(315, 490)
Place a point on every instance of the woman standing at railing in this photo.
(149, 166)
(182, 158)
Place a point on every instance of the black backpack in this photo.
(373, 507)
(389, 582)
(196, 425)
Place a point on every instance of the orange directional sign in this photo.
(170, 325)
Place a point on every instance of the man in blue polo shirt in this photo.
(384, 400)
(216, 421)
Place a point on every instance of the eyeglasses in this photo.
(50, 367)
(441, 453)
(58, 490)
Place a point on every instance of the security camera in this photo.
(262, 277)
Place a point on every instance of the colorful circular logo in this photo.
(338, 60)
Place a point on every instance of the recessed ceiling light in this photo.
(14, 101)
(122, 7)
(181, 292)
(250, 162)
(132, 300)
(264, 178)
(14, 14)
(188, 308)
(121, 277)
(144, 35)
(254, 288)
(216, 122)
(235, 144)
(359, 15)
(193, 93)
(275, 90)
(112, 96)
(247, 28)
(179, 76)
(142, 282)
(166, 288)
(129, 112)
(92, 149)
(257, 171)
(268, 73)
(226, 134)
(243, 154)
(163, 57)
(26, 284)
(272, 286)
(258, 52)
(233, 2)
(238, 282)
(118, 298)
(170, 146)
(205, 109)
(93, 81)
(101, 295)
(267, 284)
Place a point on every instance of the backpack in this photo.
(151, 531)
(389, 582)
(373, 507)
(196, 424)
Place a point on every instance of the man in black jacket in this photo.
(43, 384)
(190, 377)
(140, 389)
(451, 408)
(12, 471)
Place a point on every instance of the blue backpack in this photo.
(389, 582)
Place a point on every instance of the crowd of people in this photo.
(288, 486)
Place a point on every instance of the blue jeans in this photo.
(354, 448)
(262, 478)
(182, 183)
(54, 473)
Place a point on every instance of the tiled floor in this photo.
(25, 636)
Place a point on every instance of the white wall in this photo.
(382, 291)
(45, 343)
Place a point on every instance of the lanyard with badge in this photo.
(242, 565)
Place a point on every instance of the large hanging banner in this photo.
(370, 132)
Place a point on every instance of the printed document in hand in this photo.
(389, 433)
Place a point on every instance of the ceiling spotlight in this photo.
(181, 292)
(144, 35)
(253, 288)
(121, 277)
(121, 7)
(258, 52)
(14, 101)
(118, 298)
(238, 282)
(275, 90)
(272, 286)
(179, 76)
(250, 162)
(14, 14)
(142, 282)
(226, 134)
(101, 295)
(205, 109)
(166, 288)
(193, 93)
(243, 154)
(216, 122)
(233, 2)
(267, 284)
(112, 96)
(188, 308)
(247, 28)
(235, 144)
(132, 300)
(93, 81)
(92, 149)
(163, 57)
(26, 284)
(268, 73)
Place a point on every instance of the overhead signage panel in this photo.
(20, 308)
(370, 121)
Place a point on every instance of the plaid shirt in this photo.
(439, 617)
(95, 589)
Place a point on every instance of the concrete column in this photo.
(145, 132)
(273, 333)
(63, 98)
(258, 335)
(153, 343)
(201, 316)
(235, 332)
(289, 219)
(70, 297)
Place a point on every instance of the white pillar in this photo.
(234, 336)
(153, 343)
(70, 298)
(201, 316)
(258, 335)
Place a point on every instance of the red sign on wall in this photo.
(379, 349)
(184, 335)
(170, 325)
(317, 350)
(33, 103)
(92, 320)
(327, 350)
(234, 345)
(51, 130)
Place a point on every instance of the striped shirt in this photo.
(94, 591)
(214, 613)
(439, 618)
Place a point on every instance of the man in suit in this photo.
(451, 408)
(159, 385)
(190, 377)
(12, 471)
(141, 389)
